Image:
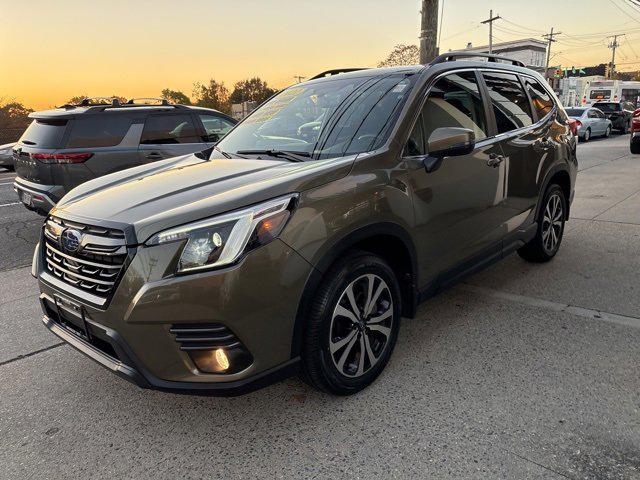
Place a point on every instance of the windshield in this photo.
(607, 107)
(325, 119)
(575, 112)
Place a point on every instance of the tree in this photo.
(13, 115)
(251, 90)
(215, 95)
(402, 55)
(175, 96)
(77, 100)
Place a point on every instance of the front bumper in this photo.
(257, 299)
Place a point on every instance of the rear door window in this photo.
(510, 103)
(104, 130)
(540, 98)
(169, 129)
(455, 101)
(44, 133)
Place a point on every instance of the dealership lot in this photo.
(522, 371)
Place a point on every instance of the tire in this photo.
(543, 247)
(625, 129)
(607, 132)
(336, 338)
(635, 147)
(587, 135)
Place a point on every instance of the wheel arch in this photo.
(388, 240)
(560, 175)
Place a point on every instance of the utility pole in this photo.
(490, 21)
(613, 45)
(550, 39)
(299, 78)
(429, 31)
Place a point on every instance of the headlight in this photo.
(219, 241)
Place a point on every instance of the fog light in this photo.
(221, 360)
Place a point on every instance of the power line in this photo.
(615, 4)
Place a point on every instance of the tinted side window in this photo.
(168, 129)
(592, 114)
(415, 143)
(510, 103)
(455, 101)
(98, 131)
(216, 126)
(541, 99)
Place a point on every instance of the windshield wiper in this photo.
(292, 156)
(226, 155)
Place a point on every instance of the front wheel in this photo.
(352, 325)
(551, 219)
(635, 147)
(587, 135)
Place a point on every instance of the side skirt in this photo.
(479, 262)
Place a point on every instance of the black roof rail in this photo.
(452, 56)
(336, 71)
(93, 101)
(131, 103)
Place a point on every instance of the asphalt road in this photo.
(522, 371)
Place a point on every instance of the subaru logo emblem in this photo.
(70, 239)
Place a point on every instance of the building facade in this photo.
(530, 51)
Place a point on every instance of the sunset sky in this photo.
(52, 50)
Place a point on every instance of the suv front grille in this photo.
(95, 266)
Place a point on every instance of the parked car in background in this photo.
(591, 122)
(619, 113)
(67, 146)
(6, 156)
(299, 241)
(634, 141)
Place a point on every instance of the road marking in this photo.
(30, 354)
(556, 306)
(10, 204)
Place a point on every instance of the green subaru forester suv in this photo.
(298, 242)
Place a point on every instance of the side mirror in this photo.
(448, 142)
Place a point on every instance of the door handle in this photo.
(154, 156)
(494, 160)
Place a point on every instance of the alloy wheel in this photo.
(552, 223)
(361, 325)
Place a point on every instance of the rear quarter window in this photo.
(540, 98)
(98, 131)
(44, 133)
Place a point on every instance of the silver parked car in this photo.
(6, 155)
(591, 122)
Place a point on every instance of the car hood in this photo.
(153, 197)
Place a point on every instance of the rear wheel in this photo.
(352, 326)
(635, 147)
(551, 219)
(607, 132)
